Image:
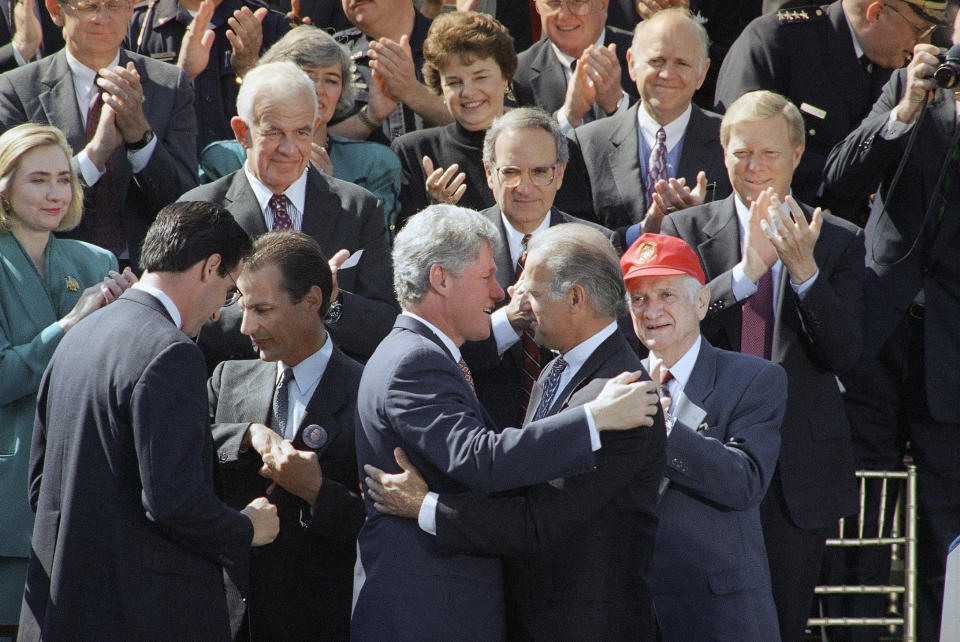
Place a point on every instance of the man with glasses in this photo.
(578, 71)
(524, 155)
(830, 61)
(134, 130)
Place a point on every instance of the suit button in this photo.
(223, 457)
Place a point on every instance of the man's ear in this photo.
(210, 267)
(438, 278)
(55, 10)
(313, 297)
(489, 172)
(240, 130)
(702, 300)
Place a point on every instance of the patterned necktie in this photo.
(550, 386)
(465, 369)
(657, 164)
(281, 403)
(756, 323)
(281, 219)
(530, 365)
(102, 204)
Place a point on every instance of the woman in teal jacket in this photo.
(46, 286)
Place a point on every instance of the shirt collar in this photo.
(578, 355)
(566, 60)
(161, 296)
(674, 129)
(515, 236)
(296, 192)
(683, 368)
(447, 341)
(83, 76)
(308, 372)
(743, 215)
(857, 49)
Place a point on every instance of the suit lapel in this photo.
(58, 99)
(506, 271)
(327, 399)
(688, 407)
(31, 291)
(549, 73)
(849, 80)
(602, 352)
(720, 252)
(321, 209)
(623, 164)
(696, 151)
(254, 394)
(243, 204)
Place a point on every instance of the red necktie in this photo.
(657, 164)
(530, 365)
(281, 219)
(756, 324)
(102, 207)
(465, 369)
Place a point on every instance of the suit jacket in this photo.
(578, 549)
(611, 158)
(909, 245)
(337, 215)
(130, 540)
(498, 378)
(710, 576)
(51, 38)
(541, 82)
(814, 339)
(42, 92)
(30, 306)
(812, 62)
(311, 561)
(413, 395)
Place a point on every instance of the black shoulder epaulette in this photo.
(347, 35)
(141, 5)
(801, 15)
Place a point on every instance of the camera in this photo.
(947, 74)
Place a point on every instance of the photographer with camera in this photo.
(905, 394)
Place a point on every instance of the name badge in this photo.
(816, 112)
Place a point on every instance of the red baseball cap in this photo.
(659, 255)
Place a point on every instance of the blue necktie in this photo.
(550, 386)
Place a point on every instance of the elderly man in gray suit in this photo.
(130, 118)
(278, 188)
(710, 578)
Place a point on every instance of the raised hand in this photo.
(197, 41)
(444, 185)
(246, 37)
(793, 238)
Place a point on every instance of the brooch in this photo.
(72, 284)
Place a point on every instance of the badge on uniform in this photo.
(314, 436)
(72, 285)
(816, 112)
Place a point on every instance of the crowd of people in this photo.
(486, 319)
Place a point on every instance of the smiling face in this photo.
(93, 32)
(279, 144)
(525, 149)
(473, 93)
(665, 317)
(329, 83)
(667, 65)
(759, 155)
(470, 298)
(572, 34)
(40, 191)
(551, 315)
(281, 329)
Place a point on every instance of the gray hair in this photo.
(577, 254)
(309, 46)
(447, 235)
(524, 118)
(663, 14)
(279, 81)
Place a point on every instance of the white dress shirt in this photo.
(681, 372)
(296, 194)
(306, 376)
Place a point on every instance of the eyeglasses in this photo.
(922, 32)
(576, 7)
(234, 294)
(540, 176)
(88, 7)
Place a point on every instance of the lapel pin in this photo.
(314, 436)
(703, 426)
(72, 284)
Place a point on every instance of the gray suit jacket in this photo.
(43, 92)
(338, 215)
(610, 152)
(710, 577)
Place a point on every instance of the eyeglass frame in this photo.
(95, 7)
(922, 34)
(503, 181)
(233, 295)
(595, 4)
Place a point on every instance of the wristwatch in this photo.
(143, 142)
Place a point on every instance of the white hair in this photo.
(279, 81)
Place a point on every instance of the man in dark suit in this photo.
(624, 156)
(130, 540)
(417, 393)
(525, 156)
(577, 550)
(27, 33)
(300, 585)
(832, 62)
(785, 285)
(905, 388)
(279, 189)
(710, 577)
(578, 71)
(134, 129)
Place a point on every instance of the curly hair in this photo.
(470, 36)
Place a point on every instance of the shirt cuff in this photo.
(86, 168)
(623, 105)
(804, 287)
(21, 61)
(565, 126)
(139, 158)
(503, 332)
(743, 288)
(427, 518)
(594, 433)
(894, 128)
